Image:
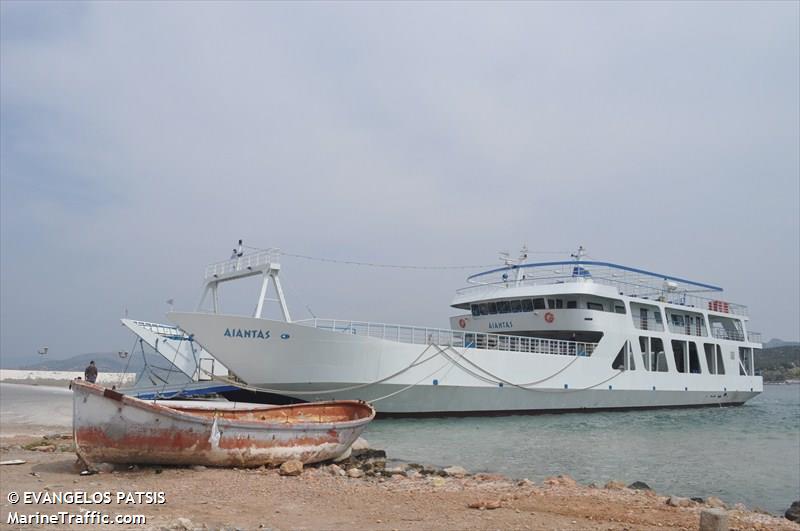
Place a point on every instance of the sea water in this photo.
(748, 454)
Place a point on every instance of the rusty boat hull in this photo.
(113, 428)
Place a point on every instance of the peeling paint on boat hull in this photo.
(113, 428)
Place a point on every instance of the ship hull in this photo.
(305, 363)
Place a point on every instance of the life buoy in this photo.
(462, 323)
(549, 317)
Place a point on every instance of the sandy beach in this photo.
(326, 497)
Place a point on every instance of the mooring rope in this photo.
(523, 386)
(497, 379)
(415, 363)
(406, 388)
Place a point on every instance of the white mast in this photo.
(515, 262)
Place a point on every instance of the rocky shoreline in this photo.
(363, 491)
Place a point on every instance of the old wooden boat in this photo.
(113, 428)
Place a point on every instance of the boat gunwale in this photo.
(178, 414)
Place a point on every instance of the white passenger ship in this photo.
(541, 337)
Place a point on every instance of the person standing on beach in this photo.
(91, 372)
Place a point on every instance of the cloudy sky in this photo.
(139, 141)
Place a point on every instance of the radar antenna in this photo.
(43, 351)
(579, 254)
(514, 263)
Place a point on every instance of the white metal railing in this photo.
(754, 337)
(162, 329)
(732, 335)
(455, 338)
(688, 330)
(648, 324)
(629, 289)
(248, 261)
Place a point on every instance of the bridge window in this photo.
(503, 307)
(657, 348)
(475, 310)
(625, 359)
(538, 304)
(619, 309)
(714, 358)
(594, 306)
(679, 353)
(745, 361)
(516, 306)
(527, 305)
(694, 360)
(572, 304)
(492, 308)
(484, 308)
(653, 355)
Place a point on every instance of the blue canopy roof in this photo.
(579, 269)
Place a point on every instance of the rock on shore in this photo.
(793, 512)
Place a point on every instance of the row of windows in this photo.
(529, 305)
(519, 305)
(654, 358)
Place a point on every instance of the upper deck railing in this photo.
(169, 331)
(688, 330)
(732, 335)
(248, 261)
(627, 281)
(648, 324)
(455, 338)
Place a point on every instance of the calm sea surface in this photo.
(748, 454)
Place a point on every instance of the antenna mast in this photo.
(579, 254)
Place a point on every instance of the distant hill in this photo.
(779, 364)
(160, 370)
(105, 361)
(775, 342)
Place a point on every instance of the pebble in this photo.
(181, 524)
(44, 448)
(455, 471)
(355, 473)
(639, 485)
(336, 470)
(677, 501)
(713, 520)
(292, 467)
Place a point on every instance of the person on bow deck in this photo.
(91, 372)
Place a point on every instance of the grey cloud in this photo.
(140, 140)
